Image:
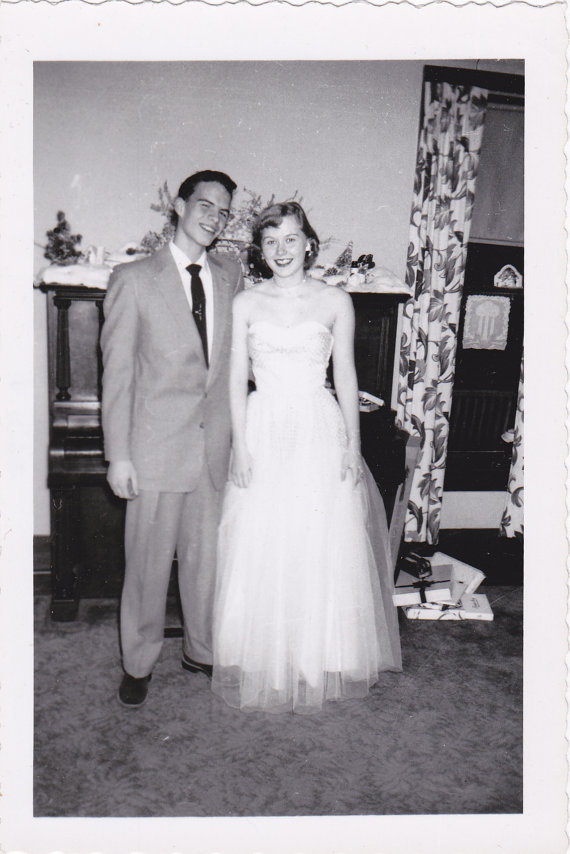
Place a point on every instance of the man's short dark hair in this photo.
(208, 176)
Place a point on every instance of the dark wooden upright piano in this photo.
(86, 518)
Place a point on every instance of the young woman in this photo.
(303, 610)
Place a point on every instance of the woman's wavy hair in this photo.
(272, 217)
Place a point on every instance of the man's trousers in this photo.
(158, 525)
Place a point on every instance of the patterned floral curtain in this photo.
(512, 523)
(447, 162)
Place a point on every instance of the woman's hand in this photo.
(241, 467)
(352, 461)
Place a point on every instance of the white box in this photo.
(475, 606)
(465, 579)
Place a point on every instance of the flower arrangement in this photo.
(165, 206)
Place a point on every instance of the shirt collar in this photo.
(182, 259)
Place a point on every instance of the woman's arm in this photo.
(241, 462)
(346, 383)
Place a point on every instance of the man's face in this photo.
(202, 217)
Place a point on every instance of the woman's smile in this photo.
(284, 247)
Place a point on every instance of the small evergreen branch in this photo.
(61, 247)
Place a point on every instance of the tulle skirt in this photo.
(303, 608)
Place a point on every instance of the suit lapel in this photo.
(222, 305)
(172, 292)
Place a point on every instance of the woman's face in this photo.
(284, 247)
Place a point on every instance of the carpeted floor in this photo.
(444, 736)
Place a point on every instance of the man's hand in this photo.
(122, 478)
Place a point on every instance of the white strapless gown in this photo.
(303, 609)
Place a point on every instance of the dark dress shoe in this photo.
(196, 666)
(132, 691)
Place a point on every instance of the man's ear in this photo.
(179, 205)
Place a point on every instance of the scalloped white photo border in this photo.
(114, 30)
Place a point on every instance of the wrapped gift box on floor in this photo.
(474, 606)
(465, 579)
(413, 591)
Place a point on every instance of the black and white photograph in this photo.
(274, 345)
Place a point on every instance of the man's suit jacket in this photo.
(163, 409)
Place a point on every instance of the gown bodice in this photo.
(289, 360)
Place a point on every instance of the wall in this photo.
(342, 134)
(107, 135)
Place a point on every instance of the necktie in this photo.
(199, 305)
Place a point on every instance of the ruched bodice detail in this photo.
(289, 359)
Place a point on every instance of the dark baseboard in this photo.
(42, 564)
(42, 553)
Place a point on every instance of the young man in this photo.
(166, 345)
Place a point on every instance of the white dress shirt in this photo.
(181, 260)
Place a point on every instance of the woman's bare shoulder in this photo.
(335, 297)
(318, 287)
(315, 283)
(246, 301)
